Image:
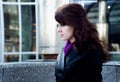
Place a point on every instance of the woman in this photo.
(82, 57)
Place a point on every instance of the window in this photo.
(114, 29)
(92, 11)
(19, 30)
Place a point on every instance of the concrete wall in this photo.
(27, 72)
(111, 72)
(44, 72)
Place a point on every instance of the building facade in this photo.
(28, 29)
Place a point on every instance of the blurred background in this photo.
(28, 29)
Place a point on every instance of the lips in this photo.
(61, 35)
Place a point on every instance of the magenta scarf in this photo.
(67, 47)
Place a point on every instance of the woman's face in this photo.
(66, 32)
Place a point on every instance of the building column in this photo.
(48, 40)
(102, 24)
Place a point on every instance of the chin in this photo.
(64, 39)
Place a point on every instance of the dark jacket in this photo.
(79, 67)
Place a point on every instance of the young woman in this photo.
(82, 57)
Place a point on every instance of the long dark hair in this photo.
(85, 32)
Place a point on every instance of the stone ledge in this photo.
(26, 64)
(42, 71)
(27, 72)
(114, 63)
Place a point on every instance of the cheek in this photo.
(69, 34)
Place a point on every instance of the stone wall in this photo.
(27, 72)
(44, 72)
(111, 71)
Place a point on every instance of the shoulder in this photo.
(73, 56)
(82, 57)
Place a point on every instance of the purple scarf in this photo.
(67, 47)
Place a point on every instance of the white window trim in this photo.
(20, 30)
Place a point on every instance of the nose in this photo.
(59, 29)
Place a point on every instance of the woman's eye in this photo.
(57, 25)
(60, 25)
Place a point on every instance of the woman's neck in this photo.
(72, 40)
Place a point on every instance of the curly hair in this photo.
(85, 33)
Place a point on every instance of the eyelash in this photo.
(60, 25)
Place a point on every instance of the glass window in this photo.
(1, 34)
(115, 56)
(113, 18)
(31, 57)
(76, 1)
(114, 27)
(27, 0)
(90, 0)
(11, 28)
(19, 23)
(11, 58)
(28, 28)
(111, 0)
(28, 57)
(10, 0)
(92, 11)
(20, 0)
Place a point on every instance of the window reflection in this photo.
(91, 0)
(92, 12)
(28, 57)
(11, 58)
(11, 28)
(31, 57)
(27, 0)
(10, 0)
(114, 27)
(115, 57)
(28, 28)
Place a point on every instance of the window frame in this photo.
(2, 42)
